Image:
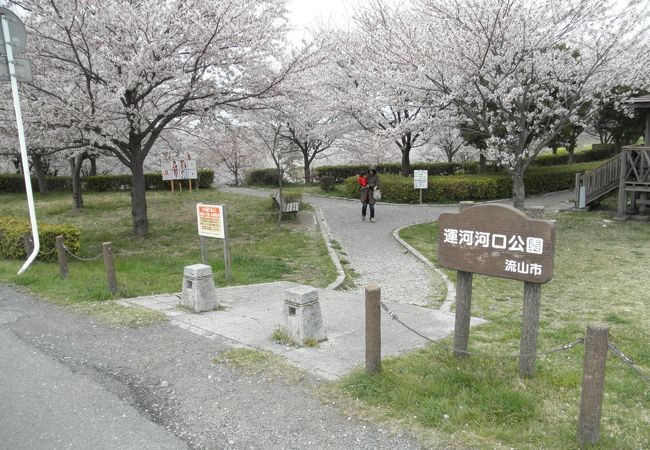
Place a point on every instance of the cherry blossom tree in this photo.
(371, 87)
(125, 71)
(520, 71)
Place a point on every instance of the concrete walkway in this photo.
(251, 314)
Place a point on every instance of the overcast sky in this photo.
(304, 13)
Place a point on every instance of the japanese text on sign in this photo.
(420, 179)
(497, 240)
(210, 220)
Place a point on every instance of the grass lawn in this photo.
(602, 270)
(259, 251)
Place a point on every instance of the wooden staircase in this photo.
(629, 172)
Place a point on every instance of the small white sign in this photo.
(210, 220)
(421, 179)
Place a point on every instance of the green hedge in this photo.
(15, 182)
(99, 183)
(340, 173)
(598, 152)
(265, 177)
(538, 180)
(13, 229)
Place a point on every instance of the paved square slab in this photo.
(251, 313)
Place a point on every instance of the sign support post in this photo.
(226, 250)
(498, 241)
(529, 329)
(421, 181)
(5, 14)
(212, 221)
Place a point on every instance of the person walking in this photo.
(367, 193)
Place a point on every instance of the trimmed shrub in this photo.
(395, 188)
(153, 181)
(265, 177)
(327, 183)
(14, 182)
(340, 173)
(13, 229)
(598, 152)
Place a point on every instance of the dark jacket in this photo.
(366, 194)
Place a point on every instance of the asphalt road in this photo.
(67, 382)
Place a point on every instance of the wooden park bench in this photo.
(287, 206)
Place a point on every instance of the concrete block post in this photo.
(199, 293)
(302, 314)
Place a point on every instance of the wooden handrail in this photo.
(601, 179)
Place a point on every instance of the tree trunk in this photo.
(482, 162)
(518, 189)
(37, 162)
(75, 171)
(307, 169)
(279, 167)
(571, 152)
(139, 199)
(93, 166)
(406, 161)
(554, 149)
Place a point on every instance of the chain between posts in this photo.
(101, 254)
(627, 361)
(485, 355)
(79, 257)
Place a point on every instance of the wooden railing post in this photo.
(62, 257)
(373, 328)
(593, 381)
(621, 212)
(109, 264)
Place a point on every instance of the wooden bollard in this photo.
(62, 257)
(109, 265)
(529, 329)
(593, 381)
(29, 244)
(373, 328)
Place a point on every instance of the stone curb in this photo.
(325, 232)
(451, 289)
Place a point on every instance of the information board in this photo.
(210, 220)
(497, 240)
(421, 179)
(179, 169)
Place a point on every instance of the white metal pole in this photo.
(21, 141)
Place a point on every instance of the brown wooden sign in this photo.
(497, 240)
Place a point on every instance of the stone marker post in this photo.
(199, 293)
(302, 315)
(373, 328)
(593, 381)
